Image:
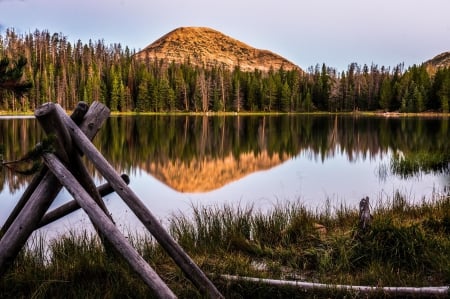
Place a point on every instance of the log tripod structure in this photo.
(64, 168)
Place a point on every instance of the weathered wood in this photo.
(23, 200)
(77, 116)
(27, 220)
(106, 188)
(51, 122)
(399, 291)
(94, 119)
(107, 227)
(79, 112)
(364, 214)
(73, 205)
(192, 271)
(38, 203)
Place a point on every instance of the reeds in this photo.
(405, 245)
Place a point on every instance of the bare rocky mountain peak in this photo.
(439, 61)
(207, 173)
(207, 47)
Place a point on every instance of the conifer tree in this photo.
(67, 73)
(385, 94)
(285, 97)
(11, 77)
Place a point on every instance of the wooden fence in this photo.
(64, 168)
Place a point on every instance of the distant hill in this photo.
(208, 173)
(440, 61)
(207, 47)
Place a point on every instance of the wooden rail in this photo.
(38, 197)
(107, 227)
(73, 205)
(65, 168)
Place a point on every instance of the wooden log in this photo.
(107, 227)
(27, 220)
(364, 214)
(72, 205)
(398, 291)
(51, 122)
(23, 200)
(94, 119)
(187, 265)
(79, 113)
(77, 116)
(40, 199)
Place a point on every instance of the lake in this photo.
(175, 162)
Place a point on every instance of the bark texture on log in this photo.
(107, 227)
(73, 206)
(192, 271)
(39, 198)
(435, 291)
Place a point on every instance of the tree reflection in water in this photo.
(201, 154)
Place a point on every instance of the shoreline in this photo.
(393, 114)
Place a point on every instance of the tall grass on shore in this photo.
(405, 245)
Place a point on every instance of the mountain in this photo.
(440, 61)
(208, 173)
(207, 47)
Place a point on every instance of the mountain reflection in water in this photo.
(175, 161)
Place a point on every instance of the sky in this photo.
(334, 32)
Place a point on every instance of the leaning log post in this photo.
(94, 119)
(52, 124)
(23, 200)
(192, 271)
(79, 112)
(107, 227)
(40, 199)
(27, 220)
(77, 116)
(73, 205)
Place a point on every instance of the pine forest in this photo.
(64, 72)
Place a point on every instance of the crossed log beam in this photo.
(64, 168)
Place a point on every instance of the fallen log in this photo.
(400, 291)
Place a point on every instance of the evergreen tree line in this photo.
(64, 72)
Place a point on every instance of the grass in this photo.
(406, 245)
(420, 162)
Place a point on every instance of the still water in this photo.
(175, 162)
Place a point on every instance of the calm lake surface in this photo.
(175, 162)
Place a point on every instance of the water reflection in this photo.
(212, 158)
(200, 153)
(18, 136)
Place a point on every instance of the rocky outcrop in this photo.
(206, 47)
(440, 61)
